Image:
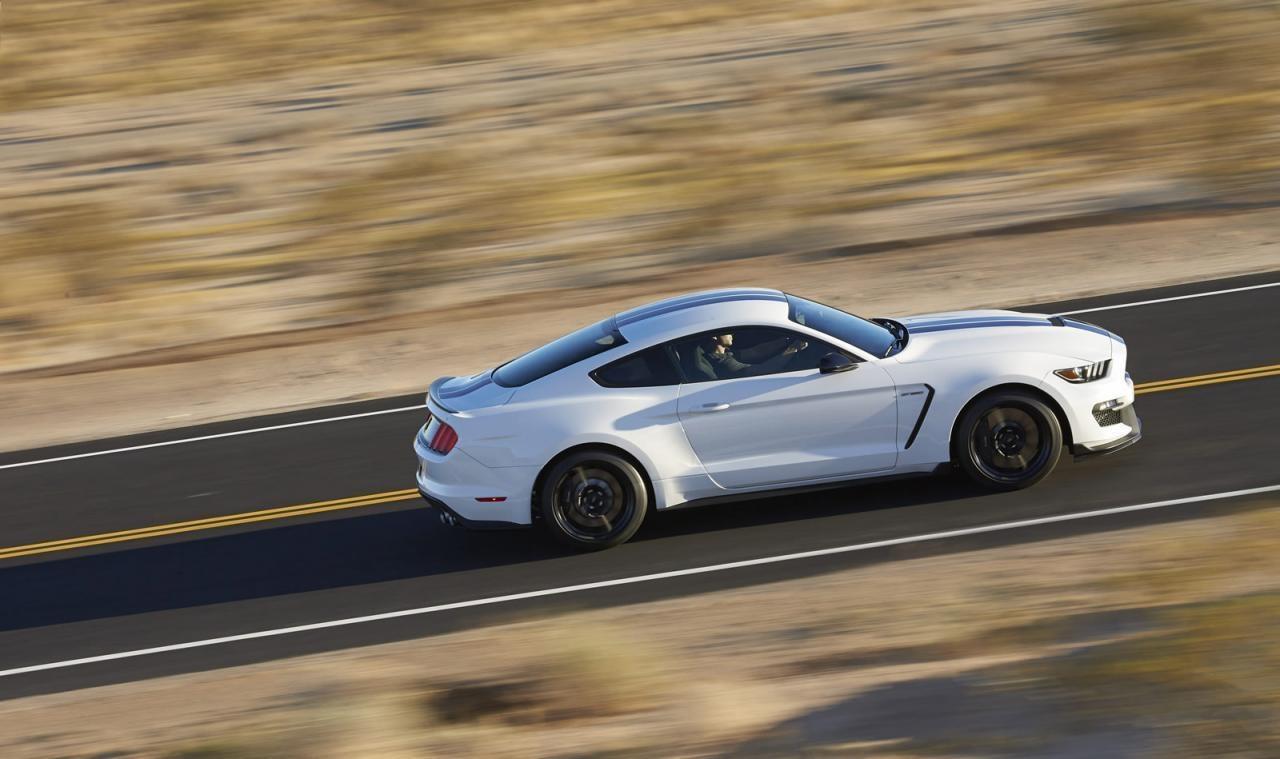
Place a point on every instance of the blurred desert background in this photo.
(217, 207)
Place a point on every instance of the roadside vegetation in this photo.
(178, 171)
(93, 49)
(1156, 641)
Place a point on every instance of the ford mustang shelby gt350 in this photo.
(730, 393)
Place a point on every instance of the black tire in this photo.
(593, 500)
(1008, 440)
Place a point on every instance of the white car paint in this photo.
(697, 440)
(779, 428)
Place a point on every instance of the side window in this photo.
(747, 352)
(646, 368)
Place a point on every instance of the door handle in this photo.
(714, 406)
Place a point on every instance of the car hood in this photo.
(967, 333)
(469, 393)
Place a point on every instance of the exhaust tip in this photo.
(447, 519)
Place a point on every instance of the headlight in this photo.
(1086, 373)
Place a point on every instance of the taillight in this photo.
(444, 440)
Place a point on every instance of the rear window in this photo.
(648, 368)
(557, 354)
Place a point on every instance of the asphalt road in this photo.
(71, 601)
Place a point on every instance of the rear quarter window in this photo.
(647, 368)
(557, 354)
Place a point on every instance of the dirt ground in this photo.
(212, 208)
(1146, 642)
(246, 376)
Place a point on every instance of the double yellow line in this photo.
(1237, 375)
(230, 520)
(393, 496)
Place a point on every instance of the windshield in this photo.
(557, 354)
(854, 330)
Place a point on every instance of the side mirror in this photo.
(834, 363)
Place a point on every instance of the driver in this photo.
(758, 359)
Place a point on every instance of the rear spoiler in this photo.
(433, 394)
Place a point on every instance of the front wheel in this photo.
(593, 500)
(1008, 440)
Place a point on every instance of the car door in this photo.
(782, 422)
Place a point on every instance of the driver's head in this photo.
(726, 339)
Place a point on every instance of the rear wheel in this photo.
(1008, 440)
(593, 500)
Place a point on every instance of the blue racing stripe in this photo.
(925, 321)
(978, 324)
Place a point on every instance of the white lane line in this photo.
(493, 600)
(254, 430)
(213, 437)
(1167, 300)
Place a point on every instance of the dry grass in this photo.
(580, 672)
(1198, 566)
(1204, 672)
(221, 749)
(86, 49)
(1203, 81)
(1210, 678)
(595, 146)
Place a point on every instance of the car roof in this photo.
(707, 309)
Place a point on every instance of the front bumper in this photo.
(1093, 431)
(1128, 417)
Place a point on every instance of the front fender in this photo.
(958, 382)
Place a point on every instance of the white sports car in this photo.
(742, 392)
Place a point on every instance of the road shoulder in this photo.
(401, 356)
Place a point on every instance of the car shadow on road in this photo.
(400, 544)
